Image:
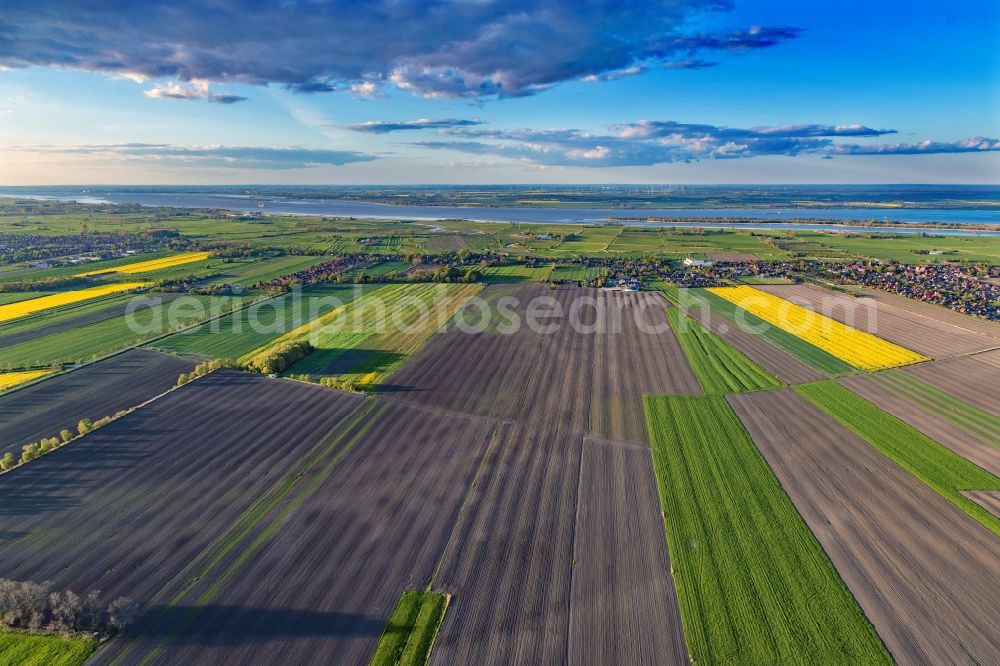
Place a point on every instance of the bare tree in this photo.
(122, 612)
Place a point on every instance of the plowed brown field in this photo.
(922, 570)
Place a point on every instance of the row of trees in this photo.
(279, 358)
(36, 607)
(200, 370)
(47, 444)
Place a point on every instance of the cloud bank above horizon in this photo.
(511, 90)
(432, 48)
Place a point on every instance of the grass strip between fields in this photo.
(939, 467)
(973, 420)
(720, 367)
(35, 650)
(754, 585)
(332, 449)
(412, 628)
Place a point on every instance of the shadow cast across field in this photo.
(236, 625)
(345, 360)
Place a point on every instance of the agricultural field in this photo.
(24, 308)
(157, 489)
(629, 362)
(768, 473)
(576, 272)
(307, 592)
(157, 316)
(29, 650)
(240, 333)
(750, 575)
(894, 541)
(736, 319)
(74, 316)
(860, 349)
(150, 265)
(368, 338)
(937, 423)
(15, 296)
(519, 521)
(517, 273)
(941, 469)
(769, 356)
(251, 271)
(383, 268)
(720, 367)
(9, 380)
(412, 628)
(92, 392)
(929, 334)
(973, 379)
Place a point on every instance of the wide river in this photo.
(714, 217)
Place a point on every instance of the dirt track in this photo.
(937, 337)
(98, 390)
(981, 453)
(775, 360)
(922, 570)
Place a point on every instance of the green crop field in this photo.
(940, 468)
(383, 268)
(15, 296)
(368, 339)
(719, 366)
(754, 585)
(412, 628)
(576, 272)
(794, 345)
(30, 650)
(242, 332)
(517, 273)
(110, 335)
(975, 421)
(29, 272)
(64, 313)
(250, 272)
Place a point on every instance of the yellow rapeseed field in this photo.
(152, 264)
(12, 379)
(860, 349)
(32, 305)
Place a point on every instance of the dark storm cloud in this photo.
(447, 48)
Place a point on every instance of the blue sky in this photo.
(468, 91)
